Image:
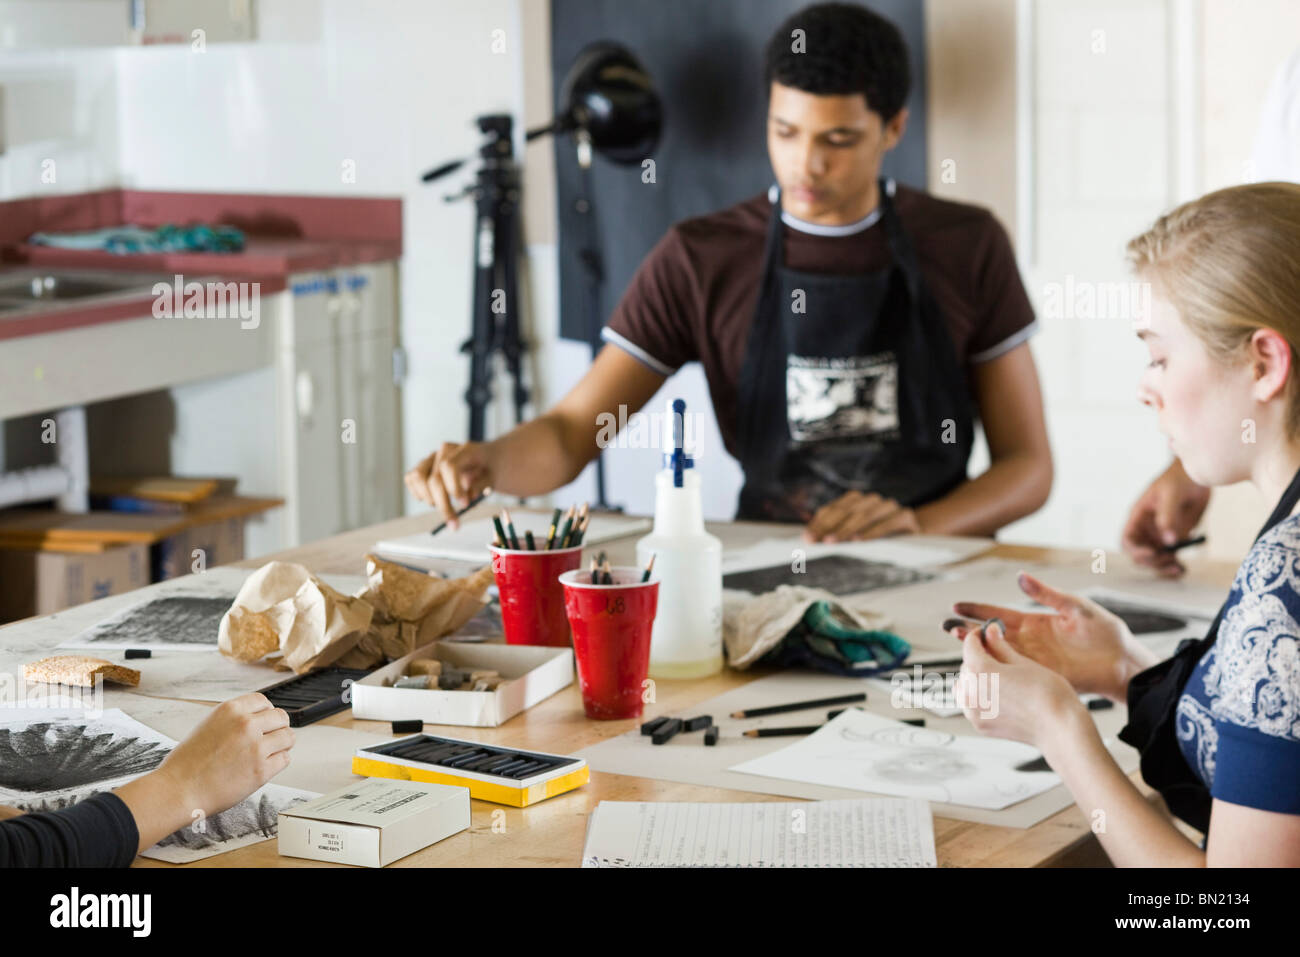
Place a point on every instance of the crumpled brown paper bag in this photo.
(285, 615)
(283, 608)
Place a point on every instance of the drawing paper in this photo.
(865, 752)
(51, 758)
(868, 832)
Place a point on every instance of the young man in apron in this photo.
(851, 330)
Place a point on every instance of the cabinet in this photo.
(338, 364)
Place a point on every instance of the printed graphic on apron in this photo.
(853, 397)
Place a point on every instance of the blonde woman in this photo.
(1218, 724)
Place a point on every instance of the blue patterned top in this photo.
(1238, 719)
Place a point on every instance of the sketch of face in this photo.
(924, 766)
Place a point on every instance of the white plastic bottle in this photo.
(687, 637)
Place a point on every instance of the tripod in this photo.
(494, 323)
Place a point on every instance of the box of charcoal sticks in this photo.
(373, 822)
(509, 678)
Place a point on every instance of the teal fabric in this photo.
(124, 240)
(829, 639)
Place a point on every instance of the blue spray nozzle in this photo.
(678, 460)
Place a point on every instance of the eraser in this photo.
(1100, 704)
(666, 730)
(424, 666)
(711, 735)
(138, 653)
(412, 681)
(653, 725)
(413, 726)
(695, 724)
(918, 722)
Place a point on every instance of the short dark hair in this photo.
(846, 49)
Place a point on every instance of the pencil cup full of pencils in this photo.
(612, 613)
(527, 565)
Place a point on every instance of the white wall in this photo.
(391, 88)
(58, 121)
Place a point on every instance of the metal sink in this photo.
(23, 291)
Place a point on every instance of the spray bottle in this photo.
(687, 637)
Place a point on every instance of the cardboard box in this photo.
(533, 674)
(36, 582)
(373, 822)
(219, 543)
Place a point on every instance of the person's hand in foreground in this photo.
(239, 746)
(1088, 646)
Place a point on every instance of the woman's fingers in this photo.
(972, 609)
(1045, 594)
(995, 639)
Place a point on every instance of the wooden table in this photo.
(551, 834)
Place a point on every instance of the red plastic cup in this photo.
(532, 599)
(611, 639)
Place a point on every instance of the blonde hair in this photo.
(1229, 262)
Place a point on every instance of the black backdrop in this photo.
(706, 59)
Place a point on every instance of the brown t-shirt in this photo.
(693, 298)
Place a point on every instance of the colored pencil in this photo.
(555, 521)
(568, 525)
(510, 529)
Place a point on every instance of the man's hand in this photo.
(1166, 512)
(459, 472)
(855, 516)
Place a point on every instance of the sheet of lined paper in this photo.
(867, 832)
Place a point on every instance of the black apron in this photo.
(1153, 702)
(861, 390)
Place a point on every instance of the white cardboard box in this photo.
(373, 822)
(533, 674)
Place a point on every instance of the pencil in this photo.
(605, 577)
(568, 524)
(781, 732)
(800, 705)
(528, 537)
(501, 533)
(510, 529)
(555, 521)
(595, 576)
(1184, 543)
(477, 500)
(645, 575)
(581, 531)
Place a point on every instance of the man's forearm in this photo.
(1011, 488)
(539, 456)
